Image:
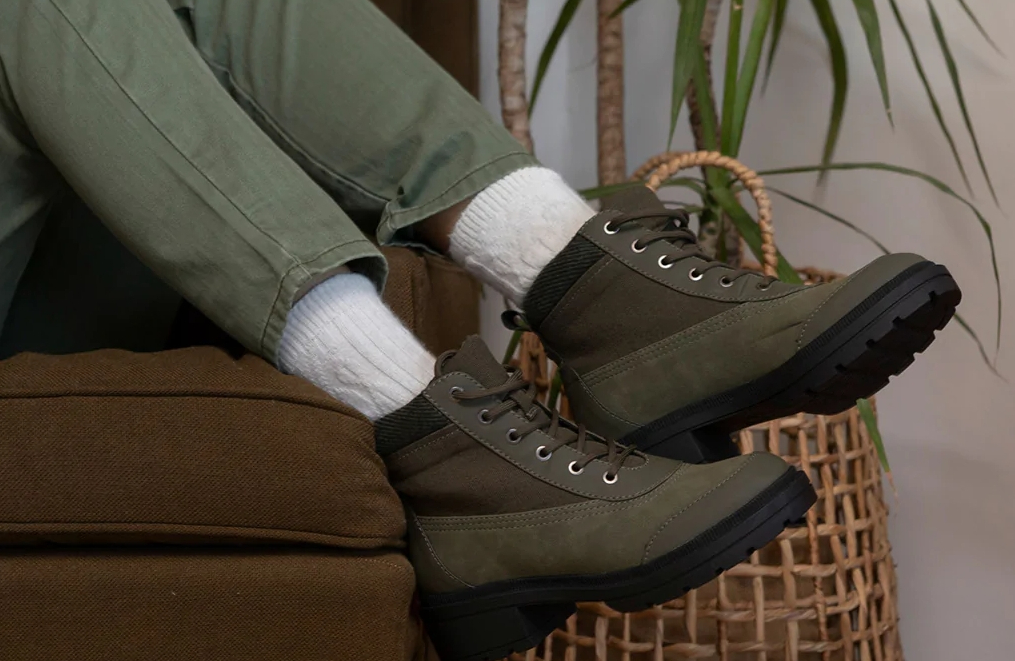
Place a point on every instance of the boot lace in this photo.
(676, 232)
(519, 394)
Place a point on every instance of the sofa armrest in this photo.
(433, 296)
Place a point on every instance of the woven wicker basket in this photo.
(826, 591)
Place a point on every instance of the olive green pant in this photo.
(243, 150)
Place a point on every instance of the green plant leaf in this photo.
(512, 347)
(749, 229)
(979, 26)
(729, 94)
(936, 183)
(699, 74)
(778, 21)
(748, 74)
(603, 191)
(555, 386)
(828, 214)
(714, 177)
(597, 192)
(692, 15)
(871, 423)
(868, 15)
(931, 97)
(719, 187)
(953, 72)
(840, 76)
(550, 47)
(979, 345)
(885, 250)
(693, 183)
(623, 7)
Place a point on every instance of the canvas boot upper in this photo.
(644, 325)
(497, 487)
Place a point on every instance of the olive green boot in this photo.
(514, 515)
(662, 348)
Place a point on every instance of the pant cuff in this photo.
(396, 226)
(360, 256)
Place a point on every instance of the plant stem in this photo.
(511, 70)
(695, 102)
(709, 237)
(610, 95)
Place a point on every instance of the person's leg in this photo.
(388, 133)
(391, 135)
(28, 187)
(397, 142)
(121, 104)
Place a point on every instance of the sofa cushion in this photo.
(171, 604)
(187, 446)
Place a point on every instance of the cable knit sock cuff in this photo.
(345, 340)
(514, 227)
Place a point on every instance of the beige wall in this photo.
(949, 424)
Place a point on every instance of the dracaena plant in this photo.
(749, 60)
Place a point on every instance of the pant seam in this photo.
(281, 133)
(127, 94)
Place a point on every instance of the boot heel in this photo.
(697, 446)
(492, 634)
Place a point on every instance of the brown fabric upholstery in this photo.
(186, 443)
(189, 505)
(432, 296)
(177, 604)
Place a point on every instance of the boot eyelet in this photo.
(663, 264)
(694, 275)
(570, 468)
(606, 228)
(635, 248)
(512, 436)
(725, 282)
(764, 287)
(454, 392)
(542, 454)
(484, 416)
(608, 479)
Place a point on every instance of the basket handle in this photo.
(661, 167)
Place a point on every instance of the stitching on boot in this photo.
(588, 391)
(398, 457)
(660, 529)
(568, 300)
(538, 518)
(681, 340)
(810, 318)
(433, 553)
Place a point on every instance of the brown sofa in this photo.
(187, 504)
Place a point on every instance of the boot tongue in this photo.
(637, 198)
(475, 359)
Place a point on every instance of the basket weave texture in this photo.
(825, 591)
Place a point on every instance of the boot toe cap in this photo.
(725, 487)
(847, 294)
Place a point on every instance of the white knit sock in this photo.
(514, 227)
(344, 339)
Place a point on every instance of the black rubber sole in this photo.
(492, 621)
(851, 360)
